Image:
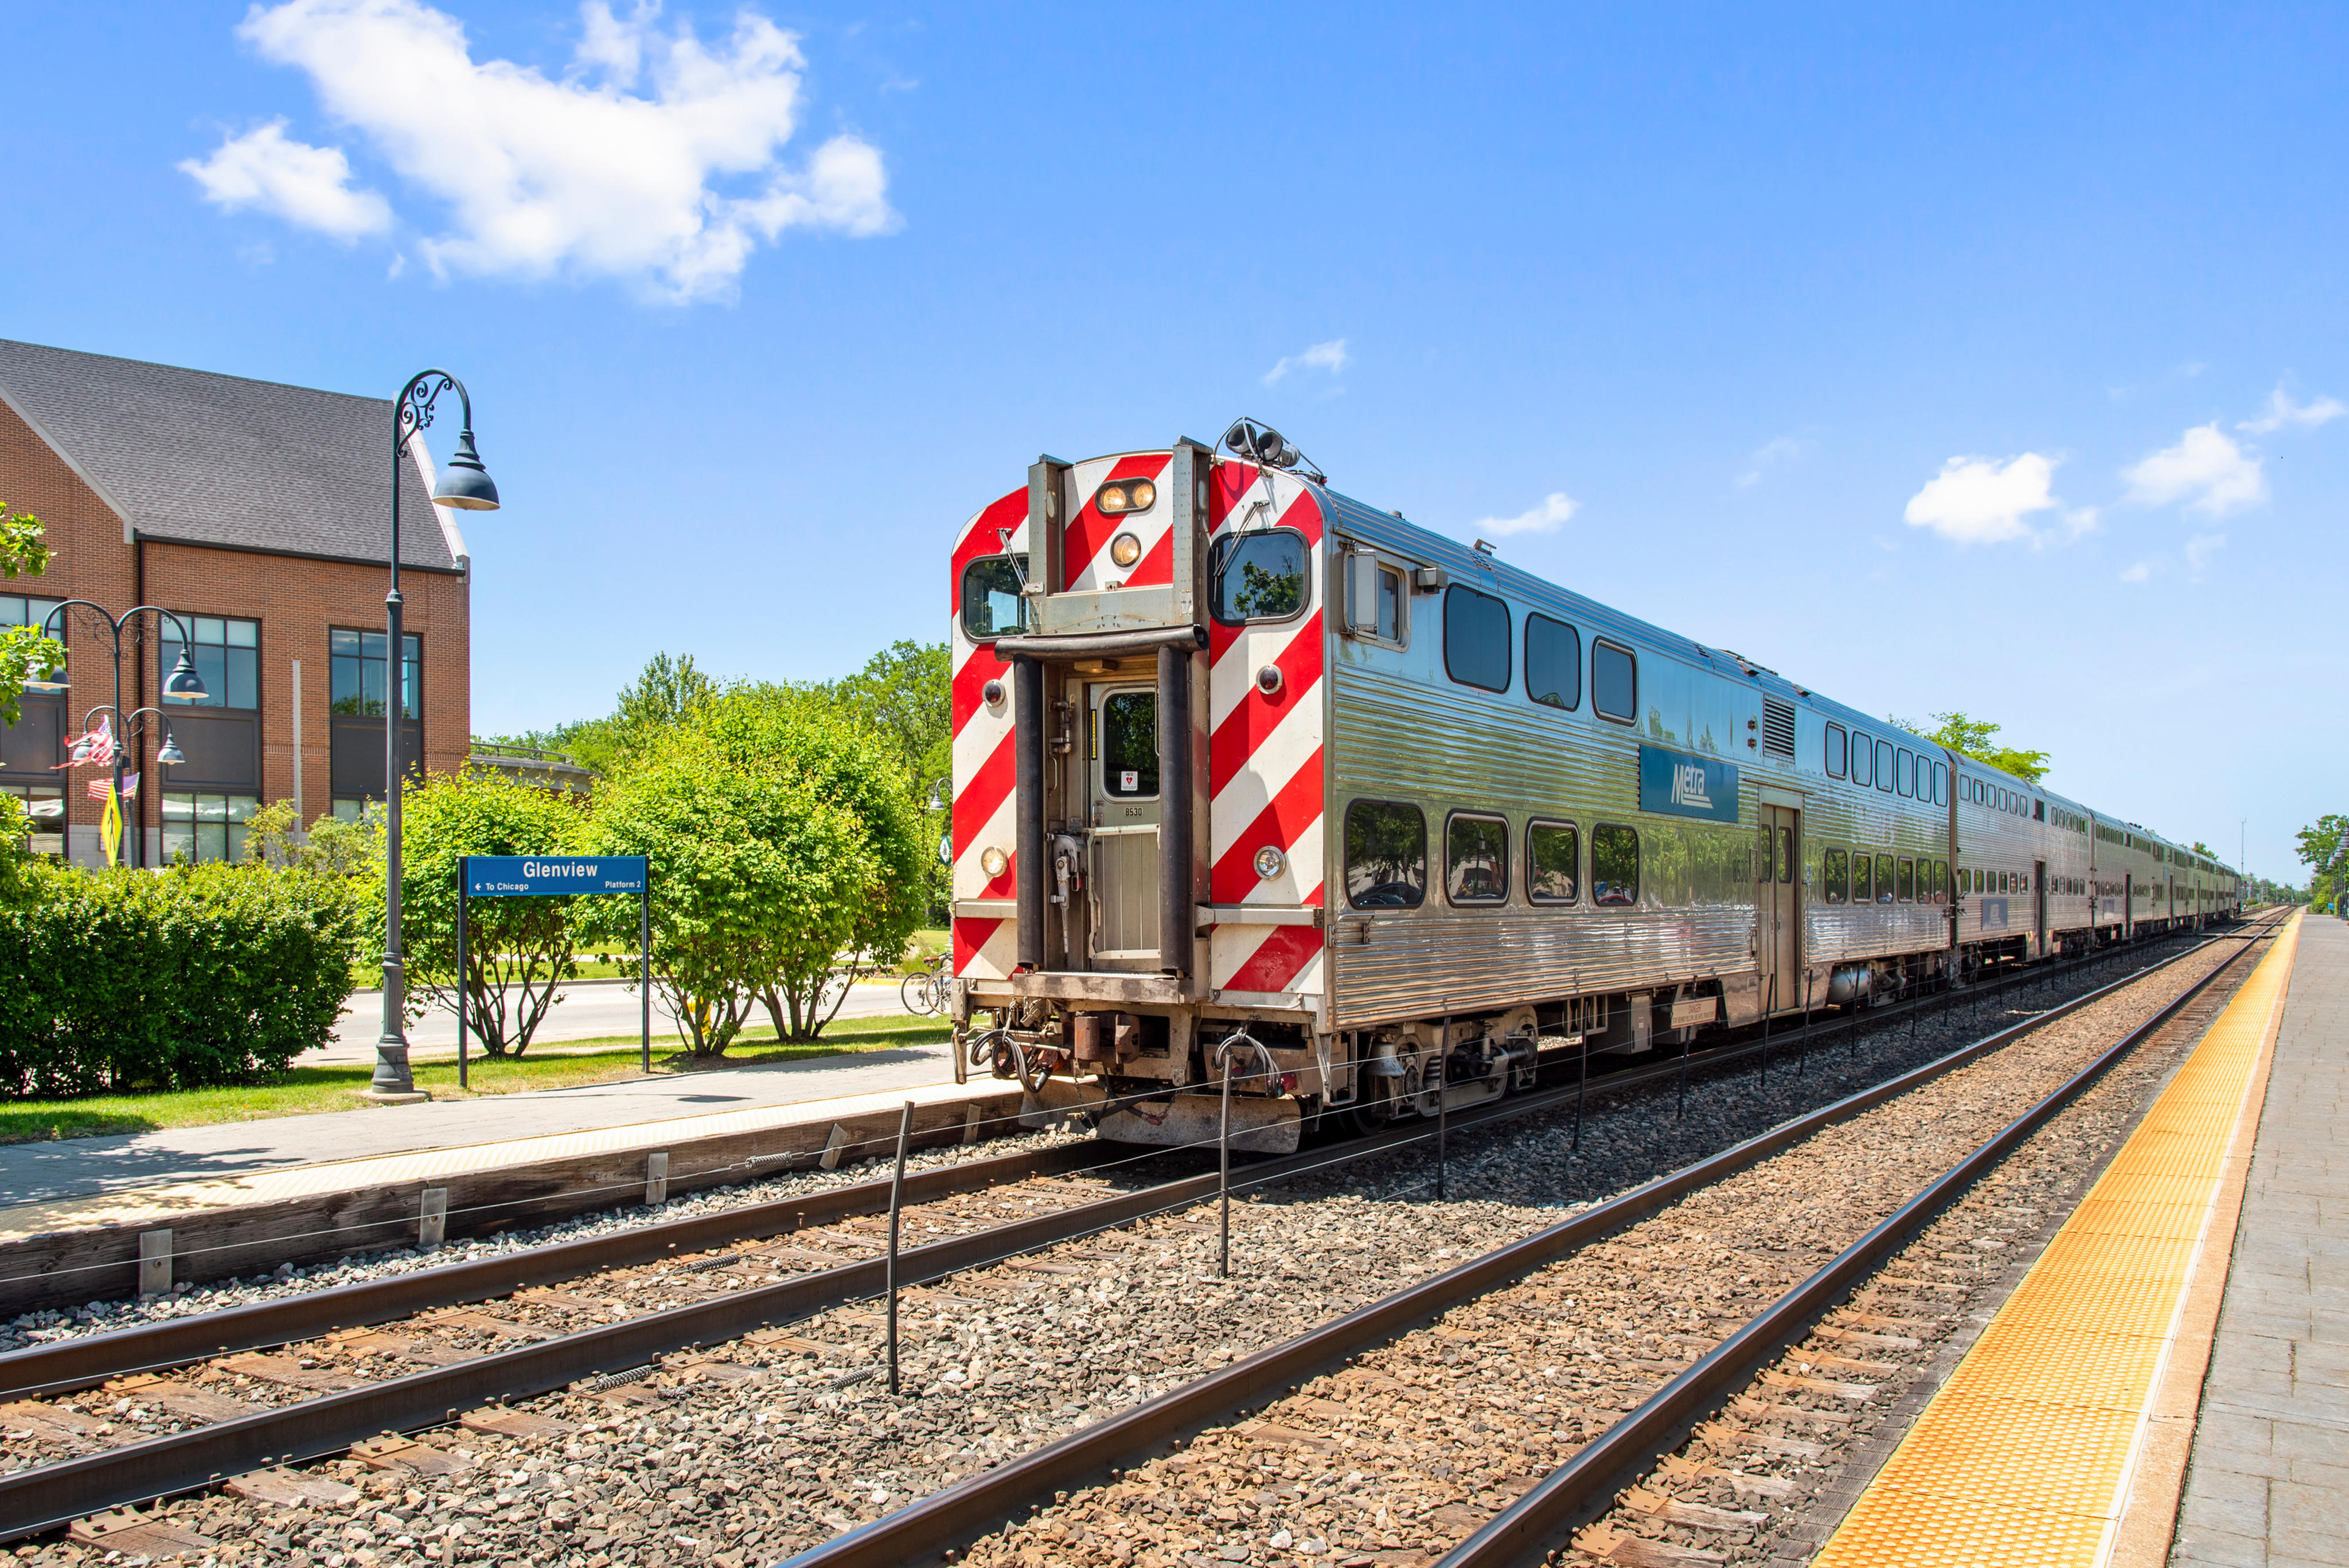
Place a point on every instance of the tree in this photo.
(1977, 739)
(904, 694)
(25, 655)
(2320, 849)
(748, 865)
(517, 951)
(850, 769)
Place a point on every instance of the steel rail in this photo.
(1587, 1482)
(42, 1497)
(90, 1359)
(982, 1502)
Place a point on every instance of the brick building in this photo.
(260, 514)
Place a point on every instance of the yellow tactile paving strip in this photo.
(2024, 1456)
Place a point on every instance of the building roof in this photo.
(202, 459)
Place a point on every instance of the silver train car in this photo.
(1248, 772)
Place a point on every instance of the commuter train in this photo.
(1246, 770)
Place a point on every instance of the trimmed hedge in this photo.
(197, 976)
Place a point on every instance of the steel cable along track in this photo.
(42, 1497)
(982, 1502)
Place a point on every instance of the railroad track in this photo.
(336, 1383)
(1508, 1376)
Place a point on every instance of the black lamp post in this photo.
(463, 484)
(184, 683)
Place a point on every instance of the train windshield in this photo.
(992, 605)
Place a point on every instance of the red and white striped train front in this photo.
(1148, 611)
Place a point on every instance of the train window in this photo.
(1940, 783)
(2039, 810)
(1884, 775)
(1553, 862)
(1128, 740)
(1863, 760)
(1884, 883)
(1475, 859)
(992, 605)
(1785, 855)
(1258, 576)
(1941, 881)
(1904, 769)
(1386, 854)
(1614, 863)
(1834, 871)
(1837, 746)
(1863, 876)
(1553, 663)
(1614, 684)
(1475, 638)
(1907, 874)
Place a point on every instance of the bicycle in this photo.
(925, 989)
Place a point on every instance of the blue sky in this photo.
(1983, 358)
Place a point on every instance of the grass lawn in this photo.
(306, 1089)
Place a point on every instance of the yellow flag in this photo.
(110, 825)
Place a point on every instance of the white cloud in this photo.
(1982, 501)
(1330, 356)
(2282, 411)
(2206, 470)
(2201, 548)
(1780, 449)
(658, 158)
(308, 186)
(2138, 572)
(1549, 517)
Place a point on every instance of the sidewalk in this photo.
(590, 1010)
(44, 1173)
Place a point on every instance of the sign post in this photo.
(535, 876)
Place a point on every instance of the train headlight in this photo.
(1270, 862)
(1125, 549)
(992, 694)
(994, 862)
(1125, 496)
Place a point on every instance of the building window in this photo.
(991, 602)
(17, 609)
(1475, 859)
(1475, 638)
(43, 805)
(357, 674)
(1837, 746)
(1386, 854)
(1614, 863)
(1835, 872)
(1258, 576)
(198, 827)
(226, 653)
(1614, 685)
(1553, 862)
(1553, 663)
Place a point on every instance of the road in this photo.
(587, 1012)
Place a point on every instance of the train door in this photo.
(1777, 912)
(1121, 730)
(2039, 903)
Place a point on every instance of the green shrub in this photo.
(196, 976)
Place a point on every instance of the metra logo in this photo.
(1688, 786)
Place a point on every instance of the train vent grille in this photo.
(1777, 727)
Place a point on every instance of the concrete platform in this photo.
(243, 1196)
(2269, 1477)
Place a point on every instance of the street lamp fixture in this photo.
(463, 484)
(169, 754)
(183, 682)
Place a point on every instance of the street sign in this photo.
(521, 876)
